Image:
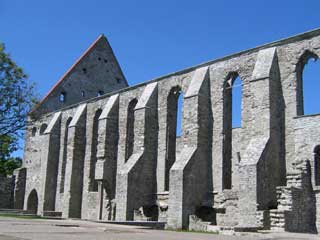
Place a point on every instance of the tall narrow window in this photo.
(317, 165)
(130, 129)
(62, 97)
(232, 99)
(93, 185)
(174, 125)
(179, 114)
(43, 128)
(64, 155)
(236, 102)
(308, 84)
(100, 93)
(34, 131)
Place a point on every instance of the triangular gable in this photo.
(95, 72)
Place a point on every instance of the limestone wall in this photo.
(6, 192)
(307, 132)
(95, 73)
(20, 175)
(122, 159)
(297, 202)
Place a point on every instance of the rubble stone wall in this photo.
(6, 192)
(131, 163)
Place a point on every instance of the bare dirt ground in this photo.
(40, 229)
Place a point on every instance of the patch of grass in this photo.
(20, 216)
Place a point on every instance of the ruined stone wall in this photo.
(317, 196)
(36, 145)
(6, 192)
(307, 132)
(297, 203)
(236, 157)
(66, 118)
(127, 165)
(91, 197)
(20, 175)
(289, 57)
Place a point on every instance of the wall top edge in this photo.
(292, 39)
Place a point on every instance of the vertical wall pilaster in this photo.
(190, 176)
(19, 187)
(50, 160)
(106, 166)
(75, 163)
(259, 167)
(136, 180)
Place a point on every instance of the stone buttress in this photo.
(50, 159)
(75, 163)
(190, 183)
(259, 168)
(106, 166)
(136, 180)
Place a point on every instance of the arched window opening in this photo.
(93, 185)
(100, 93)
(130, 129)
(34, 131)
(64, 154)
(62, 97)
(179, 114)
(236, 102)
(232, 109)
(308, 69)
(83, 94)
(317, 165)
(32, 202)
(174, 125)
(43, 128)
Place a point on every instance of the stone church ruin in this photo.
(98, 149)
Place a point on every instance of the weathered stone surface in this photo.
(20, 175)
(190, 181)
(297, 202)
(50, 163)
(6, 191)
(118, 156)
(75, 164)
(136, 180)
(95, 73)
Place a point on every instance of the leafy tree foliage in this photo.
(17, 98)
(17, 95)
(7, 163)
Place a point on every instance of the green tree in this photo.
(17, 98)
(7, 163)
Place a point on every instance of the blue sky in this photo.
(149, 38)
